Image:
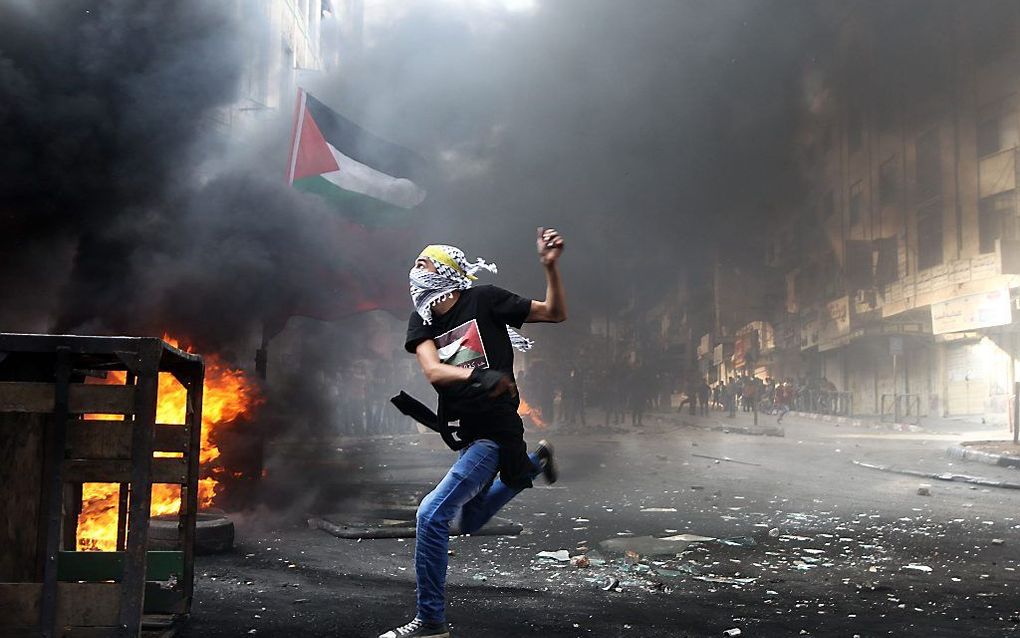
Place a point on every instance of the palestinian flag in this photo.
(368, 178)
(463, 347)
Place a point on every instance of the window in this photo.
(929, 235)
(888, 186)
(886, 270)
(997, 128)
(996, 220)
(856, 202)
(929, 165)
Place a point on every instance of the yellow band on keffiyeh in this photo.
(438, 254)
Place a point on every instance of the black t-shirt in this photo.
(472, 334)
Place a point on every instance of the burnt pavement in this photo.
(787, 537)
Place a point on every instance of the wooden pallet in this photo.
(47, 451)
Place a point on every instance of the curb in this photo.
(946, 476)
(860, 423)
(960, 452)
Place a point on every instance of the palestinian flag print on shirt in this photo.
(368, 178)
(462, 347)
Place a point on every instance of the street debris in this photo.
(644, 545)
(941, 476)
(581, 562)
(560, 555)
(726, 580)
(924, 490)
(725, 458)
(732, 632)
(689, 538)
(611, 584)
(919, 568)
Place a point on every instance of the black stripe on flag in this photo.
(357, 143)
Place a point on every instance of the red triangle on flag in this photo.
(312, 155)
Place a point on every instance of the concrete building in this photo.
(733, 320)
(901, 268)
(283, 40)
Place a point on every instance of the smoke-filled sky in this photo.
(644, 131)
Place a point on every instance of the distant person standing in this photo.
(573, 397)
(614, 394)
(749, 393)
(693, 391)
(732, 393)
(637, 395)
(704, 392)
(544, 387)
(784, 398)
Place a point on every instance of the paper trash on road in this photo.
(690, 538)
(560, 555)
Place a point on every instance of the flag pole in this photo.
(295, 135)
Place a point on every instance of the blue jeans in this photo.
(467, 489)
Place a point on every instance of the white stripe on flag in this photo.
(360, 178)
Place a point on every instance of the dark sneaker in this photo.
(545, 453)
(418, 628)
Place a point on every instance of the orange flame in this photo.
(227, 394)
(533, 413)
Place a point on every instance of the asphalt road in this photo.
(806, 542)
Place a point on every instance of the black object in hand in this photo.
(485, 379)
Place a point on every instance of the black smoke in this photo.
(645, 132)
(101, 104)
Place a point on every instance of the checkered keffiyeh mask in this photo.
(453, 273)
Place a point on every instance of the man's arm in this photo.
(437, 372)
(443, 374)
(554, 308)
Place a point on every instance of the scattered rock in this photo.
(560, 555)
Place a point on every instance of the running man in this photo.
(464, 337)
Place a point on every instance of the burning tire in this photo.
(214, 533)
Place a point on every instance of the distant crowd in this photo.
(355, 399)
(769, 396)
